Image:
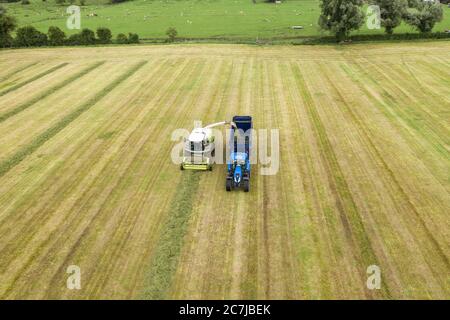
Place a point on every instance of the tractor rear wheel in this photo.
(228, 186)
(246, 185)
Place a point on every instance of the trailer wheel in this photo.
(228, 185)
(181, 167)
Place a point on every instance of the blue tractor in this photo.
(239, 161)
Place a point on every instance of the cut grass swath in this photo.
(36, 77)
(20, 69)
(48, 92)
(15, 159)
(166, 256)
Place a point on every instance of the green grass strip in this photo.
(40, 75)
(48, 92)
(347, 209)
(15, 159)
(167, 252)
(5, 77)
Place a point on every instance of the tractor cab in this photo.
(239, 166)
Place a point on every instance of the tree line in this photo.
(341, 17)
(29, 36)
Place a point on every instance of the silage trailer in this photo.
(238, 162)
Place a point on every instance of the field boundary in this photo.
(306, 40)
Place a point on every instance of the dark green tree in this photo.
(7, 25)
(104, 35)
(340, 17)
(423, 15)
(171, 34)
(121, 39)
(133, 38)
(29, 36)
(56, 37)
(392, 13)
(87, 37)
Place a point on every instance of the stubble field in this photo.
(86, 176)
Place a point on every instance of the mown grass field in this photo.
(86, 177)
(238, 19)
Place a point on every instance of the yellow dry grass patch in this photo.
(364, 174)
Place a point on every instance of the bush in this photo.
(25, 2)
(6, 40)
(104, 35)
(171, 34)
(87, 37)
(133, 38)
(121, 38)
(56, 37)
(7, 25)
(82, 3)
(424, 15)
(60, 1)
(74, 40)
(30, 37)
(341, 17)
(116, 1)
